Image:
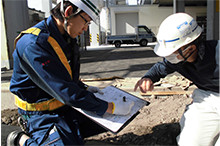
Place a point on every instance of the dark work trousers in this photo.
(64, 127)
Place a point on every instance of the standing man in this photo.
(180, 43)
(46, 81)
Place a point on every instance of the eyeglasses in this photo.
(86, 22)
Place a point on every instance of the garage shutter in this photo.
(126, 23)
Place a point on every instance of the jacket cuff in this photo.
(103, 108)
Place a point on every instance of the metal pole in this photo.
(84, 33)
(178, 6)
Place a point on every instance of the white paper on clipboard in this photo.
(114, 122)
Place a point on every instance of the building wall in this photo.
(129, 20)
(213, 12)
(117, 10)
(4, 48)
(41, 5)
(151, 15)
(35, 16)
(16, 20)
(16, 17)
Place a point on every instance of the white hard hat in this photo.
(87, 6)
(174, 32)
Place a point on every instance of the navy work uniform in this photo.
(46, 83)
(203, 72)
(201, 120)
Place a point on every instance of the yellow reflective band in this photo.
(113, 109)
(60, 54)
(53, 43)
(49, 105)
(32, 30)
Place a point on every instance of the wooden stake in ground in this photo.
(149, 93)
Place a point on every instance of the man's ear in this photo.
(68, 11)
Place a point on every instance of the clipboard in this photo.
(115, 123)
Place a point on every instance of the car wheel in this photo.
(117, 44)
(143, 43)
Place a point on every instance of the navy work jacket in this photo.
(203, 72)
(39, 75)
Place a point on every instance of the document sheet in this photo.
(115, 123)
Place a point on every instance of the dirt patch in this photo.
(9, 117)
(156, 124)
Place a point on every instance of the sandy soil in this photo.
(156, 124)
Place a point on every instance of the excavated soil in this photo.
(156, 124)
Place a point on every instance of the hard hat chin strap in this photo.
(67, 18)
(62, 13)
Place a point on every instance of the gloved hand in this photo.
(94, 90)
(122, 108)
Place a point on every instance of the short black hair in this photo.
(56, 10)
